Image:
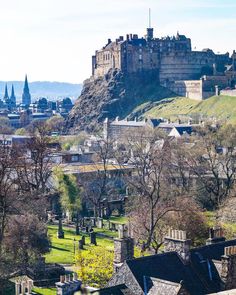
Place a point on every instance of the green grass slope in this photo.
(221, 107)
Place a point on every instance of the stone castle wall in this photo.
(171, 59)
(192, 88)
(228, 93)
(199, 89)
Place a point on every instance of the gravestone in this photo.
(81, 245)
(93, 221)
(60, 232)
(113, 227)
(77, 230)
(100, 223)
(93, 239)
(83, 239)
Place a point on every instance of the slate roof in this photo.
(169, 267)
(198, 277)
(184, 129)
(116, 290)
(214, 251)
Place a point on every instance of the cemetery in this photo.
(65, 248)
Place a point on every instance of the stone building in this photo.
(180, 270)
(170, 59)
(119, 130)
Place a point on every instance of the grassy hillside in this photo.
(221, 107)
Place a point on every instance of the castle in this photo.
(194, 74)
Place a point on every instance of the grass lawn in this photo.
(121, 220)
(221, 107)
(107, 232)
(62, 250)
(45, 291)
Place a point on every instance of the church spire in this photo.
(13, 97)
(26, 86)
(26, 97)
(6, 93)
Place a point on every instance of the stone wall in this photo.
(228, 271)
(228, 93)
(199, 89)
(191, 89)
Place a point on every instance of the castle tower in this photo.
(6, 96)
(13, 97)
(26, 97)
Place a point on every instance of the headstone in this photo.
(77, 230)
(93, 238)
(100, 223)
(60, 232)
(113, 227)
(93, 222)
(81, 245)
(83, 240)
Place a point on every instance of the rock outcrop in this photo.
(113, 95)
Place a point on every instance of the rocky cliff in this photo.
(113, 95)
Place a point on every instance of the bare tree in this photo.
(212, 161)
(8, 189)
(98, 184)
(34, 170)
(151, 186)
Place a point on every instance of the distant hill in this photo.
(219, 107)
(51, 90)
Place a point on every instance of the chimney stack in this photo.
(177, 241)
(123, 247)
(228, 270)
(216, 235)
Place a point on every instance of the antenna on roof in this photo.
(149, 18)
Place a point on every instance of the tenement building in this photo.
(189, 73)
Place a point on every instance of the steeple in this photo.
(13, 97)
(6, 97)
(26, 97)
(26, 86)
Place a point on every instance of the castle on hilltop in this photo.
(194, 74)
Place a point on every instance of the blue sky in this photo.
(54, 39)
